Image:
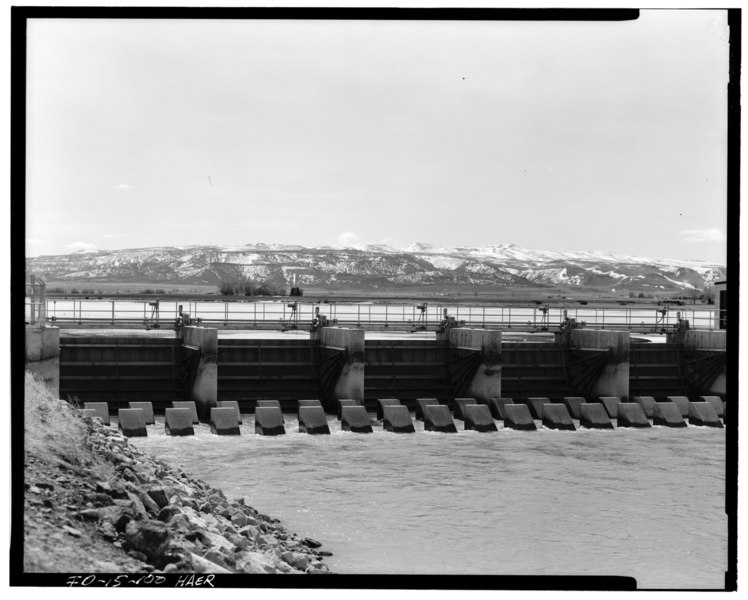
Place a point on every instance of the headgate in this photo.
(404, 369)
(119, 370)
(656, 370)
(262, 369)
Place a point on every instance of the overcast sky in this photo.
(550, 135)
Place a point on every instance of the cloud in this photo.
(703, 235)
(347, 239)
(81, 246)
(123, 186)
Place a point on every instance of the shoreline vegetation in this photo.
(94, 503)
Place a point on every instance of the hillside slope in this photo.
(375, 266)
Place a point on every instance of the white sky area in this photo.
(551, 135)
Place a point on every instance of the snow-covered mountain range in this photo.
(380, 265)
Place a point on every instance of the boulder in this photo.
(149, 537)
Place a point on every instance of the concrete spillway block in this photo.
(88, 412)
(496, 405)
(382, 402)
(422, 403)
(231, 404)
(517, 416)
(178, 421)
(572, 404)
(270, 404)
(312, 420)
(536, 406)
(594, 416)
(611, 405)
(223, 421)
(716, 402)
(397, 419)
(460, 404)
(189, 405)
(556, 416)
(131, 422)
(682, 403)
(703, 414)
(436, 417)
(269, 420)
(647, 403)
(102, 411)
(147, 411)
(345, 402)
(478, 418)
(355, 419)
(631, 414)
(310, 402)
(667, 414)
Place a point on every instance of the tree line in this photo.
(249, 287)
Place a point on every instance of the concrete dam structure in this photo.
(462, 366)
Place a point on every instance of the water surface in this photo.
(642, 503)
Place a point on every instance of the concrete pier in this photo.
(436, 417)
(631, 414)
(517, 416)
(147, 411)
(101, 409)
(497, 407)
(611, 405)
(703, 414)
(478, 418)
(536, 406)
(460, 404)
(350, 381)
(223, 421)
(43, 355)
(682, 403)
(667, 414)
(714, 342)
(716, 402)
(312, 420)
(647, 403)
(178, 421)
(614, 379)
(421, 404)
(355, 419)
(556, 416)
(131, 422)
(231, 404)
(486, 381)
(190, 406)
(572, 404)
(269, 421)
(382, 402)
(594, 416)
(342, 402)
(201, 344)
(397, 420)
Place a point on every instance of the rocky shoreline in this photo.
(108, 507)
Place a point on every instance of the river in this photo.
(648, 504)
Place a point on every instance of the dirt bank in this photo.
(94, 503)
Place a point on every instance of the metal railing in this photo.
(280, 315)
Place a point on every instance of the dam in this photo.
(177, 358)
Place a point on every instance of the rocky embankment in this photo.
(95, 503)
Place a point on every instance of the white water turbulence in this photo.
(643, 503)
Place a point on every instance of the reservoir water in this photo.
(649, 503)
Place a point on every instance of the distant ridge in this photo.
(376, 265)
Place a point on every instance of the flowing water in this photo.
(642, 503)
